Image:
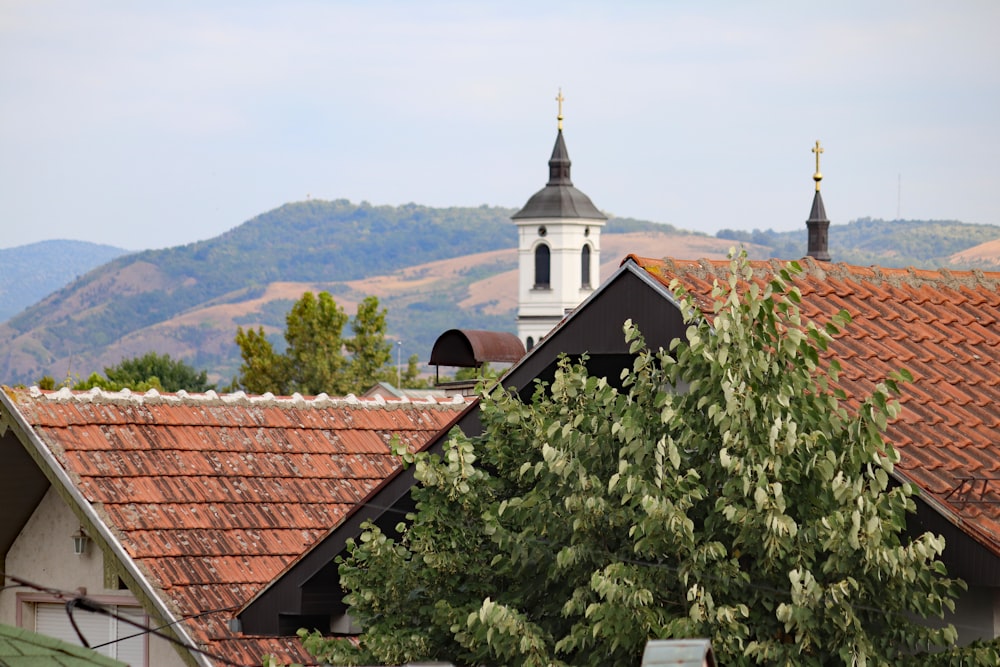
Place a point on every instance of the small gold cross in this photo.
(560, 99)
(817, 176)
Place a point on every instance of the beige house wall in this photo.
(43, 554)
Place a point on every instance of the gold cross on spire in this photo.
(817, 176)
(560, 99)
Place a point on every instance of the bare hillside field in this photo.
(984, 253)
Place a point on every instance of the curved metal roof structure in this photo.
(469, 348)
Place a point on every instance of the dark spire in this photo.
(818, 224)
(559, 199)
(559, 163)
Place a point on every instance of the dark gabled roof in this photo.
(629, 292)
(559, 199)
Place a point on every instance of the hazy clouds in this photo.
(149, 125)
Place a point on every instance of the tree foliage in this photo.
(410, 378)
(317, 357)
(752, 507)
(150, 371)
(371, 353)
(482, 372)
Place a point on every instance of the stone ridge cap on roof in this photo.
(211, 398)
(821, 270)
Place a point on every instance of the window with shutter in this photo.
(105, 634)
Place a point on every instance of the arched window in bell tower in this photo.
(585, 266)
(542, 266)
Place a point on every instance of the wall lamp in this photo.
(80, 541)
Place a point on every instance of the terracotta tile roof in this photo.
(944, 328)
(214, 496)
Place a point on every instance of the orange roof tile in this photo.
(214, 496)
(940, 326)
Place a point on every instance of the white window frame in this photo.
(28, 605)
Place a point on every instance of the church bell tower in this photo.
(818, 224)
(558, 248)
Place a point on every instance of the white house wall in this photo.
(43, 554)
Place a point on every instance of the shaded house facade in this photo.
(944, 327)
(190, 504)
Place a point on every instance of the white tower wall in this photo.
(540, 309)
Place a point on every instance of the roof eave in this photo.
(88, 515)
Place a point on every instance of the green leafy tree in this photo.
(752, 508)
(262, 369)
(481, 372)
(313, 331)
(150, 371)
(317, 357)
(411, 378)
(371, 353)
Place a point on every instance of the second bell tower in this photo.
(559, 248)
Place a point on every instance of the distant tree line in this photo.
(866, 241)
(149, 371)
(318, 358)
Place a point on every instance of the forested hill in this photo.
(322, 243)
(926, 244)
(314, 241)
(432, 268)
(30, 272)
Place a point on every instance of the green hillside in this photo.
(925, 244)
(188, 300)
(307, 241)
(316, 242)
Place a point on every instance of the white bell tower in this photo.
(558, 248)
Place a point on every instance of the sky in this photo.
(154, 124)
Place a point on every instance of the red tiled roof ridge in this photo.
(705, 268)
(296, 400)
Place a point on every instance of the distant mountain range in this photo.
(925, 244)
(30, 272)
(433, 268)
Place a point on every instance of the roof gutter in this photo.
(56, 473)
(985, 539)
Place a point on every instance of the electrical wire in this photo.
(86, 604)
(166, 625)
(76, 601)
